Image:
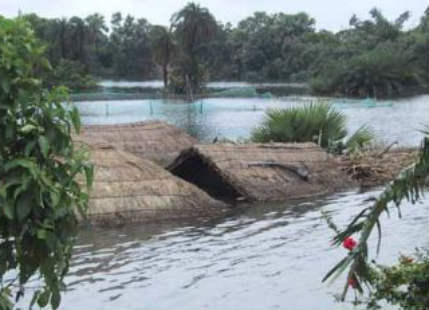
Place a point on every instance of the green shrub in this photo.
(39, 192)
(382, 72)
(316, 122)
(70, 74)
(405, 284)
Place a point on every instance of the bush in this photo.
(319, 123)
(70, 74)
(382, 72)
(39, 193)
(405, 284)
(316, 122)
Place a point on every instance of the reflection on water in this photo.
(266, 257)
(234, 118)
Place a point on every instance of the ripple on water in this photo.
(271, 257)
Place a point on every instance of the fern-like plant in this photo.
(315, 122)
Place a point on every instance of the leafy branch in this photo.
(409, 186)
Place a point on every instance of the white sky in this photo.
(329, 14)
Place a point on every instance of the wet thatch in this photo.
(131, 189)
(377, 167)
(157, 141)
(261, 172)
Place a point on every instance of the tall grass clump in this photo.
(316, 122)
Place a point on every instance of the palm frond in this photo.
(316, 122)
(409, 186)
(360, 139)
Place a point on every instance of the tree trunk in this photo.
(165, 75)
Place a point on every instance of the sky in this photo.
(330, 14)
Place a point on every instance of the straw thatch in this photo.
(131, 189)
(261, 172)
(377, 167)
(156, 140)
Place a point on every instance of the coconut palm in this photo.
(96, 29)
(194, 27)
(162, 47)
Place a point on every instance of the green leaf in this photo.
(34, 299)
(9, 210)
(28, 128)
(44, 146)
(89, 173)
(43, 299)
(75, 117)
(21, 162)
(5, 84)
(41, 233)
(24, 206)
(55, 299)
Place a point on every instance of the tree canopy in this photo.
(375, 57)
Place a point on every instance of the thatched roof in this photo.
(376, 167)
(155, 140)
(261, 172)
(131, 189)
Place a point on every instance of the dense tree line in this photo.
(374, 57)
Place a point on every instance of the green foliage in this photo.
(269, 47)
(409, 186)
(130, 47)
(39, 191)
(374, 57)
(405, 284)
(163, 47)
(193, 27)
(70, 74)
(319, 123)
(362, 138)
(381, 72)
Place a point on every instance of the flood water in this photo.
(235, 118)
(264, 257)
(268, 256)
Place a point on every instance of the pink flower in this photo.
(349, 243)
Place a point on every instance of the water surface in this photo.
(266, 257)
(234, 118)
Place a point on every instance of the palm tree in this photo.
(193, 27)
(163, 47)
(96, 29)
(77, 34)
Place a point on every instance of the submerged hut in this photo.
(155, 140)
(131, 189)
(261, 172)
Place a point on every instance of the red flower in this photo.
(353, 283)
(349, 243)
(406, 260)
